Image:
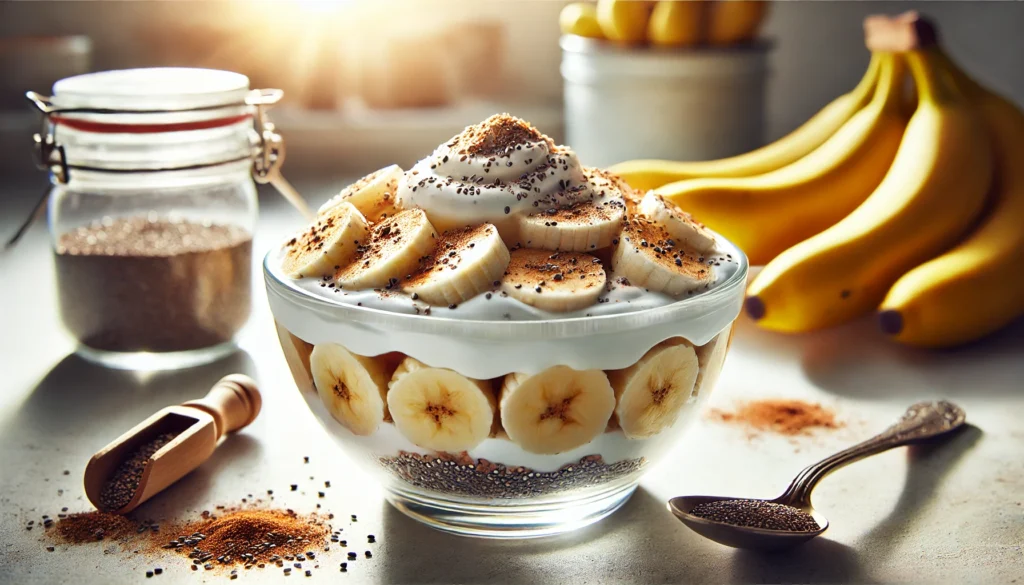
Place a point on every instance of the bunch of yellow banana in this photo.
(975, 288)
(863, 209)
(670, 23)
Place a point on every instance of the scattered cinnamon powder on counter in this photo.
(94, 526)
(783, 416)
(250, 537)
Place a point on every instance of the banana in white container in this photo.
(624, 103)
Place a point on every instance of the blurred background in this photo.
(371, 82)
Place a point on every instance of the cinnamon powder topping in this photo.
(496, 136)
(644, 233)
(451, 247)
(555, 271)
(385, 239)
(585, 211)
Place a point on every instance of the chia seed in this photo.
(189, 286)
(757, 514)
(462, 475)
(121, 486)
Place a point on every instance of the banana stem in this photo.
(926, 69)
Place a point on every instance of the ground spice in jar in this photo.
(783, 416)
(121, 486)
(152, 284)
(757, 514)
(251, 537)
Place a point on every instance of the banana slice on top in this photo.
(581, 227)
(554, 281)
(680, 225)
(466, 262)
(649, 257)
(333, 240)
(351, 387)
(375, 195)
(652, 392)
(440, 409)
(608, 184)
(392, 251)
(556, 410)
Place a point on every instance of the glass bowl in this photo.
(512, 484)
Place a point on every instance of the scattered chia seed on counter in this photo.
(451, 474)
(757, 514)
(224, 541)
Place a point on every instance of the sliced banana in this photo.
(680, 225)
(554, 281)
(296, 354)
(332, 241)
(652, 392)
(352, 387)
(556, 410)
(650, 258)
(440, 409)
(608, 184)
(584, 226)
(711, 357)
(375, 195)
(392, 251)
(466, 262)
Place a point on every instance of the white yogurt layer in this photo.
(459, 187)
(486, 338)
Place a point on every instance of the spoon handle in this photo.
(922, 421)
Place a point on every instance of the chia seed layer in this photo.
(462, 475)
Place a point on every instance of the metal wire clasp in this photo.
(268, 150)
(268, 146)
(49, 154)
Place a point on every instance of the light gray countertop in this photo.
(947, 513)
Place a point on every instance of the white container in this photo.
(625, 103)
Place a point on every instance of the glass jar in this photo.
(152, 211)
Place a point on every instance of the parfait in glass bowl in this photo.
(507, 338)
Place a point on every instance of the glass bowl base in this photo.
(518, 521)
(154, 361)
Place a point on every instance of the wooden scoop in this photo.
(231, 404)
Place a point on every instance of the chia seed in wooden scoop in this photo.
(168, 445)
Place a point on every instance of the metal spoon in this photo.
(921, 422)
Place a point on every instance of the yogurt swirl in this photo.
(493, 171)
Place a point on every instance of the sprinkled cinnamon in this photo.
(496, 136)
(783, 416)
(92, 527)
(248, 537)
(448, 254)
